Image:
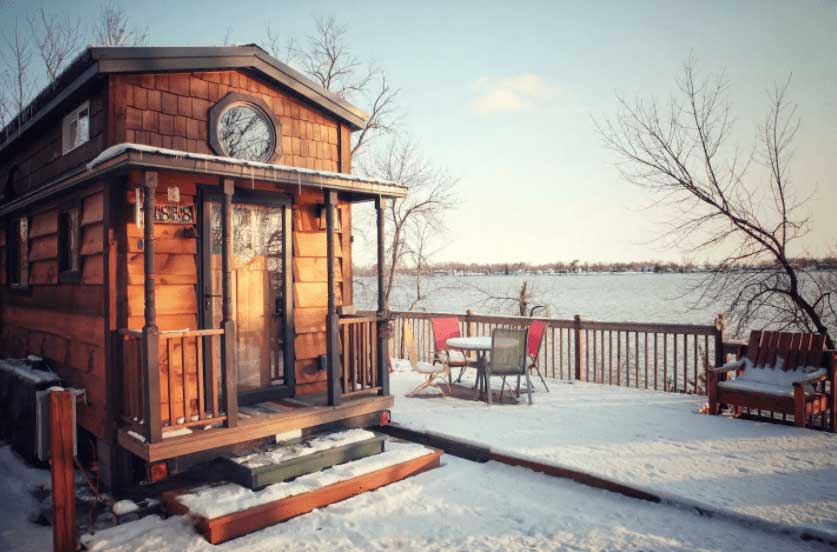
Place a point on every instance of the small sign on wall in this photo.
(174, 214)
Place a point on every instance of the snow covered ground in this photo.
(17, 481)
(469, 506)
(653, 440)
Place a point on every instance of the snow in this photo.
(219, 500)
(17, 481)
(123, 507)
(177, 432)
(653, 440)
(468, 506)
(137, 436)
(284, 453)
(23, 369)
(119, 149)
(772, 380)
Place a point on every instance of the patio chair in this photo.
(533, 345)
(431, 371)
(508, 358)
(444, 329)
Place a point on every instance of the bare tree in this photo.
(326, 57)
(722, 202)
(431, 194)
(526, 302)
(16, 78)
(113, 28)
(56, 37)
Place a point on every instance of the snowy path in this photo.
(652, 440)
(469, 506)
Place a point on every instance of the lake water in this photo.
(617, 297)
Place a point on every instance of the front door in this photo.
(260, 285)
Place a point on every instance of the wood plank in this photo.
(166, 322)
(314, 269)
(254, 428)
(310, 319)
(313, 244)
(171, 299)
(224, 528)
(93, 270)
(44, 224)
(92, 210)
(77, 327)
(172, 268)
(42, 248)
(314, 294)
(62, 471)
(310, 345)
(43, 273)
(92, 239)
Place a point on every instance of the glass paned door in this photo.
(258, 289)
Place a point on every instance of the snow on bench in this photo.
(770, 380)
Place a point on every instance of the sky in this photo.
(503, 96)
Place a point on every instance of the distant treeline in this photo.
(559, 267)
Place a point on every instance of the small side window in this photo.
(69, 244)
(17, 248)
(76, 128)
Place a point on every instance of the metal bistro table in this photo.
(480, 345)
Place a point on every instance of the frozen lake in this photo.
(611, 297)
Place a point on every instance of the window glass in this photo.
(68, 240)
(245, 132)
(17, 263)
(76, 128)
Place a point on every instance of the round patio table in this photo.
(478, 344)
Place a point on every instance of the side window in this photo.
(75, 129)
(17, 244)
(69, 243)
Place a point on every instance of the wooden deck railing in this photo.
(666, 357)
(188, 379)
(358, 354)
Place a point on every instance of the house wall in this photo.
(37, 159)
(172, 111)
(62, 322)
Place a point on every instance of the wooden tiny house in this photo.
(176, 240)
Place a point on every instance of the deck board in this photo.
(254, 427)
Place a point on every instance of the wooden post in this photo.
(332, 344)
(578, 345)
(61, 464)
(720, 326)
(150, 332)
(383, 310)
(229, 368)
(468, 323)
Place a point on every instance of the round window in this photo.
(246, 132)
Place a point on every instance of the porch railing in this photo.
(665, 357)
(358, 354)
(189, 379)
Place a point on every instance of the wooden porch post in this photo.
(332, 345)
(229, 367)
(150, 332)
(383, 311)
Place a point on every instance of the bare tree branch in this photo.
(681, 153)
(113, 28)
(57, 37)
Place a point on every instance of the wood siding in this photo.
(63, 322)
(172, 111)
(38, 159)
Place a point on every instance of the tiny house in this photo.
(176, 240)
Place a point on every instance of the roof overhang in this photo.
(97, 61)
(122, 158)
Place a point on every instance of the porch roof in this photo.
(123, 156)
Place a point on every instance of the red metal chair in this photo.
(444, 329)
(533, 345)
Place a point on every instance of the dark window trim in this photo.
(70, 276)
(235, 98)
(22, 262)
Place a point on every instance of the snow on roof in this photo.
(119, 149)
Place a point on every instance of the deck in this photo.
(258, 421)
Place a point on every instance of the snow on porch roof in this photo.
(162, 158)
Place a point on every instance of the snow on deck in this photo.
(469, 506)
(653, 440)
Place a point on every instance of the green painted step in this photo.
(260, 476)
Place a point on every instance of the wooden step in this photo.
(235, 524)
(262, 476)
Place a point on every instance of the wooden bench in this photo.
(780, 372)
